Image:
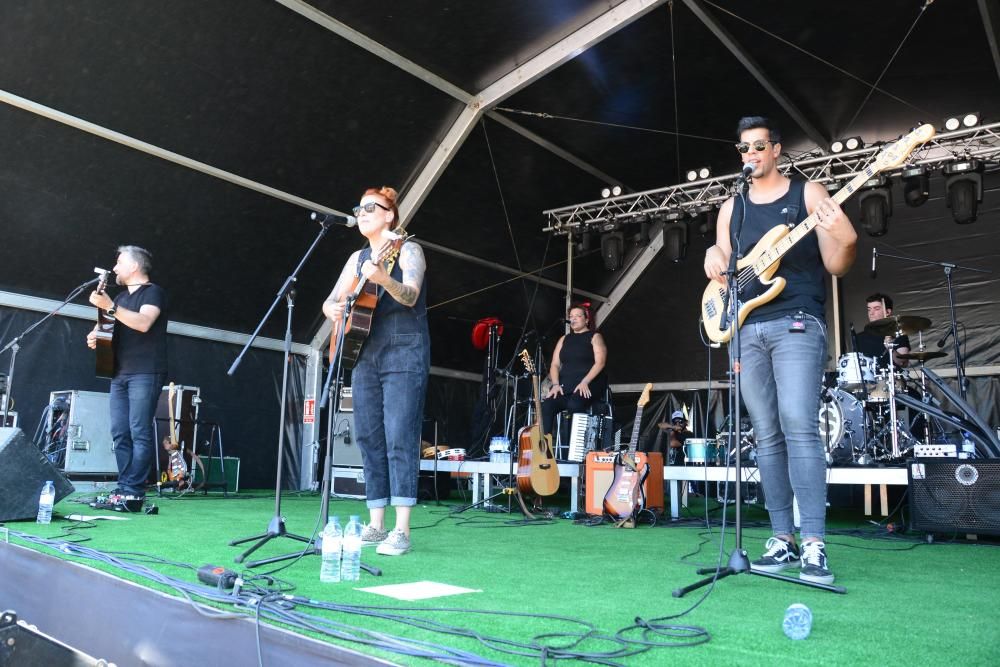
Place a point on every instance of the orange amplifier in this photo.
(601, 470)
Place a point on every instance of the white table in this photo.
(867, 476)
(481, 471)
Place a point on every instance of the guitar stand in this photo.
(739, 562)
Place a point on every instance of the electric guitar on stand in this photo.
(364, 296)
(177, 469)
(537, 471)
(755, 272)
(105, 359)
(626, 496)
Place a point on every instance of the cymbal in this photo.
(922, 356)
(888, 326)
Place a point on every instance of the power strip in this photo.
(935, 451)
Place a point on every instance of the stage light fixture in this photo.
(847, 144)
(675, 238)
(970, 119)
(832, 187)
(692, 174)
(704, 172)
(586, 240)
(700, 172)
(605, 193)
(612, 250)
(706, 219)
(963, 187)
(876, 206)
(916, 186)
(616, 190)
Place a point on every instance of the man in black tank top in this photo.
(783, 344)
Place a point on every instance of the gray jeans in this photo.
(780, 383)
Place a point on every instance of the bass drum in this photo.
(841, 425)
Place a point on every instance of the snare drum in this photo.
(853, 369)
(701, 451)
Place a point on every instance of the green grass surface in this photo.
(908, 602)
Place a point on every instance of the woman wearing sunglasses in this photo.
(389, 379)
(783, 343)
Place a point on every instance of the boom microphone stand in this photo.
(276, 527)
(739, 563)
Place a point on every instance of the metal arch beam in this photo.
(991, 22)
(758, 73)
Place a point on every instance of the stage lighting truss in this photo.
(980, 142)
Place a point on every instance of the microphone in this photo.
(945, 339)
(874, 260)
(102, 274)
(324, 218)
(747, 170)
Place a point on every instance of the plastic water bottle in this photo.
(798, 621)
(351, 567)
(329, 571)
(45, 502)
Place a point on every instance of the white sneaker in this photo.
(396, 544)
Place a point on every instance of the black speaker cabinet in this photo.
(23, 472)
(955, 496)
(23, 644)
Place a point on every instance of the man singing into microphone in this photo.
(139, 344)
(783, 344)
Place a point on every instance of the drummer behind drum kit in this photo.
(858, 420)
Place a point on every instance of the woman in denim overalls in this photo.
(390, 377)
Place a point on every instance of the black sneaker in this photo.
(779, 555)
(814, 567)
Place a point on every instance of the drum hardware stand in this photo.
(948, 268)
(739, 562)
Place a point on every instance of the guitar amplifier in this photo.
(601, 472)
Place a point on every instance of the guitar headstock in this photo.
(529, 365)
(896, 153)
(394, 243)
(644, 398)
(102, 284)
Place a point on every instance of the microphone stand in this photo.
(276, 527)
(15, 345)
(334, 377)
(948, 269)
(739, 563)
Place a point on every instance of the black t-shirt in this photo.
(137, 352)
(873, 345)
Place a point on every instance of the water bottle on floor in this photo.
(329, 571)
(45, 502)
(798, 621)
(351, 568)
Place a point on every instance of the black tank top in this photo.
(801, 267)
(577, 358)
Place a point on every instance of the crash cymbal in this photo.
(922, 356)
(888, 326)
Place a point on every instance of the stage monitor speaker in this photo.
(955, 496)
(346, 453)
(23, 472)
(601, 472)
(24, 644)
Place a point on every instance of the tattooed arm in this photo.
(411, 261)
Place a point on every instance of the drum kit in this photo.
(858, 419)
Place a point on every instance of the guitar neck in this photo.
(801, 230)
(634, 442)
(536, 389)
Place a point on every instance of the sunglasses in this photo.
(759, 145)
(368, 208)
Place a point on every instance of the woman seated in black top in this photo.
(577, 369)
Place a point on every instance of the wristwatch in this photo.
(112, 310)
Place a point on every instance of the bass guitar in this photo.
(537, 471)
(755, 272)
(625, 497)
(105, 359)
(364, 295)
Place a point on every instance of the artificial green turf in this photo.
(908, 602)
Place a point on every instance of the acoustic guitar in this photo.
(537, 471)
(755, 272)
(364, 296)
(105, 358)
(626, 497)
(177, 469)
